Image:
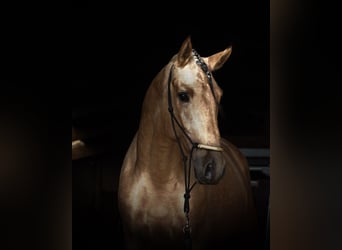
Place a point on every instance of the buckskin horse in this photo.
(181, 183)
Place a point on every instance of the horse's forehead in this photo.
(189, 75)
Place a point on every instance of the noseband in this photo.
(195, 145)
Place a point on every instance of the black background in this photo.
(116, 53)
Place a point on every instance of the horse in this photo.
(181, 184)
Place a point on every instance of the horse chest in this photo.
(156, 208)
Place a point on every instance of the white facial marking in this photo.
(188, 75)
(200, 114)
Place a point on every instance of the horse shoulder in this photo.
(126, 174)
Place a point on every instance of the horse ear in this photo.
(217, 60)
(185, 52)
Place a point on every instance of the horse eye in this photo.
(184, 97)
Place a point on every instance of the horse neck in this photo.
(157, 150)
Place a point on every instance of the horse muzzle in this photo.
(209, 166)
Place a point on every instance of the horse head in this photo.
(193, 97)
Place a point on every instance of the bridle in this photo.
(187, 169)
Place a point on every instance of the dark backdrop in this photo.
(116, 52)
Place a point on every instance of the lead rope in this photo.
(188, 188)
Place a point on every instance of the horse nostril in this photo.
(209, 168)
